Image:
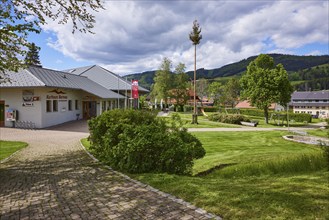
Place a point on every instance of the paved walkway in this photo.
(53, 178)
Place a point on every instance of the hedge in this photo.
(228, 118)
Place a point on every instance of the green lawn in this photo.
(7, 148)
(272, 179)
(281, 194)
(203, 122)
(246, 147)
(318, 132)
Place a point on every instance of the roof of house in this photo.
(246, 104)
(41, 77)
(104, 77)
(313, 95)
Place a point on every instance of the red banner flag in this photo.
(134, 88)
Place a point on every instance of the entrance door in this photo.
(89, 109)
(2, 113)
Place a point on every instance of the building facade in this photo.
(315, 103)
(39, 98)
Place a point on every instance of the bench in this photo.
(252, 124)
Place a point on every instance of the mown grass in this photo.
(203, 122)
(272, 178)
(246, 147)
(7, 148)
(318, 132)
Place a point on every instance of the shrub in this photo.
(300, 117)
(138, 142)
(210, 109)
(254, 112)
(188, 108)
(230, 119)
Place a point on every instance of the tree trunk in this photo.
(195, 113)
(266, 115)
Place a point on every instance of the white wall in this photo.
(13, 100)
(63, 114)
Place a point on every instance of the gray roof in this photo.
(105, 78)
(313, 95)
(41, 77)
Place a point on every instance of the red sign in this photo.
(134, 88)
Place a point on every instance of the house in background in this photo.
(246, 105)
(45, 97)
(110, 81)
(315, 103)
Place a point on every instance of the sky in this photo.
(134, 36)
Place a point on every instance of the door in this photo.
(89, 109)
(2, 113)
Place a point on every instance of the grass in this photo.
(203, 122)
(318, 132)
(273, 178)
(7, 148)
(246, 147)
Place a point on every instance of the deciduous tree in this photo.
(163, 81)
(180, 86)
(230, 93)
(264, 84)
(19, 18)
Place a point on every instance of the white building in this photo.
(42, 97)
(315, 103)
(110, 81)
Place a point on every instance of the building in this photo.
(315, 103)
(40, 97)
(246, 105)
(110, 81)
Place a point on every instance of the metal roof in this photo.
(104, 77)
(313, 95)
(41, 77)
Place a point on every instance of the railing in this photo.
(25, 124)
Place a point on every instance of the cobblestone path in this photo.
(53, 178)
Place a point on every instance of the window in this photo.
(296, 111)
(55, 105)
(76, 105)
(70, 105)
(323, 107)
(48, 105)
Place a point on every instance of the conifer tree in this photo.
(32, 56)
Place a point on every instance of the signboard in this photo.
(11, 115)
(134, 89)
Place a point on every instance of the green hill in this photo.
(300, 68)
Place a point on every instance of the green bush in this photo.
(210, 109)
(188, 108)
(254, 112)
(300, 117)
(138, 142)
(230, 119)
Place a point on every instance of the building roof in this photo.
(313, 95)
(41, 77)
(104, 77)
(246, 104)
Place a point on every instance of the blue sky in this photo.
(134, 36)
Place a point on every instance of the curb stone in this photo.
(164, 194)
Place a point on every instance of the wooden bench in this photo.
(251, 124)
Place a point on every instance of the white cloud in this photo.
(134, 36)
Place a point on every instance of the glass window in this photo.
(48, 105)
(70, 105)
(55, 105)
(76, 105)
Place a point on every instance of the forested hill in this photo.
(291, 63)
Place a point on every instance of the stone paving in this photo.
(53, 178)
